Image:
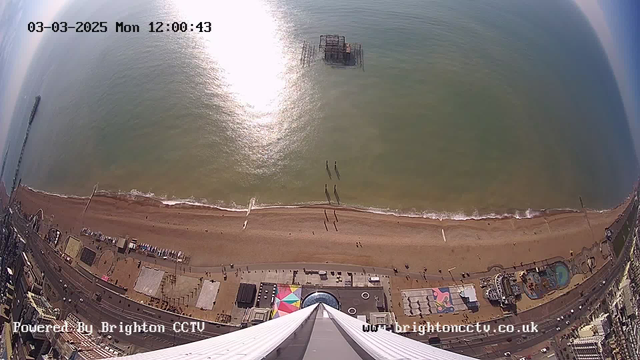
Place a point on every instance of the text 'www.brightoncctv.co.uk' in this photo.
(435, 328)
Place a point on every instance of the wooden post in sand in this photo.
(586, 216)
(86, 207)
(95, 188)
(547, 222)
(449, 270)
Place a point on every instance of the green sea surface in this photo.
(463, 107)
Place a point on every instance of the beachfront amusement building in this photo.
(314, 332)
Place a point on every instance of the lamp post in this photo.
(449, 270)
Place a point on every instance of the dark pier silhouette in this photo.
(335, 51)
(308, 54)
(335, 168)
(24, 143)
(335, 193)
(326, 165)
(4, 161)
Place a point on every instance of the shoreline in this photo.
(150, 198)
(212, 237)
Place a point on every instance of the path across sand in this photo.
(213, 237)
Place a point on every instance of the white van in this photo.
(374, 279)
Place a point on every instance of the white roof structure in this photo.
(208, 294)
(589, 348)
(468, 291)
(148, 281)
(315, 332)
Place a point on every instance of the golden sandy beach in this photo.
(213, 237)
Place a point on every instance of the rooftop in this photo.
(42, 306)
(87, 347)
(596, 339)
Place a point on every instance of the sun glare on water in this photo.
(245, 46)
(246, 61)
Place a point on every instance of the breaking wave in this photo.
(163, 200)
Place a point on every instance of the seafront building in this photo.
(590, 348)
(77, 345)
(624, 307)
(502, 289)
(599, 326)
(36, 311)
(634, 277)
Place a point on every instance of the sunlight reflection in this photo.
(245, 43)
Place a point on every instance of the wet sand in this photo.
(213, 237)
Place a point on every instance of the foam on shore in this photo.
(149, 197)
